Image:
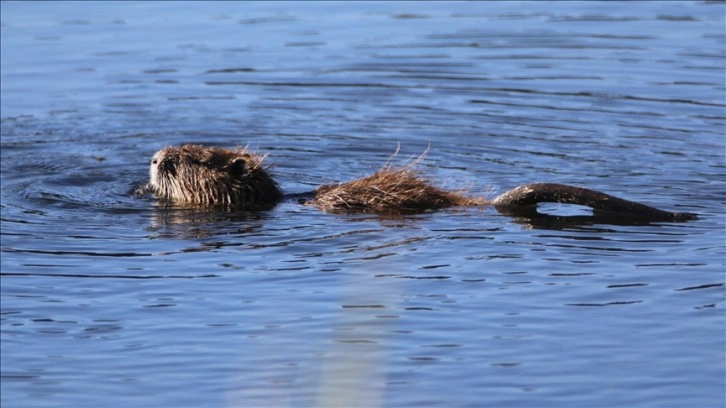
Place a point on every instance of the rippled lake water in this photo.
(113, 300)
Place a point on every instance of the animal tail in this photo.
(531, 194)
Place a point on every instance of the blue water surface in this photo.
(113, 300)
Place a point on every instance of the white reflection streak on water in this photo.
(354, 369)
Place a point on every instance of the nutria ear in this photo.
(237, 167)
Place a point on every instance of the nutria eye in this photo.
(238, 167)
(167, 166)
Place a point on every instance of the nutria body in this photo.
(212, 176)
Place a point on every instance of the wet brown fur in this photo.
(203, 175)
(212, 176)
(389, 191)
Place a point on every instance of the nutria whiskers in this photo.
(211, 176)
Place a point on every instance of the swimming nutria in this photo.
(237, 178)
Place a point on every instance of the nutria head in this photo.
(203, 175)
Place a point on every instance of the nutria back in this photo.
(213, 176)
(389, 191)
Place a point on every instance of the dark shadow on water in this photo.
(530, 217)
(179, 222)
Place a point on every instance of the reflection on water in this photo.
(106, 295)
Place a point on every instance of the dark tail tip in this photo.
(684, 216)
